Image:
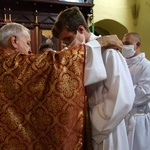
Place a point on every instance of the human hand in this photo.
(110, 41)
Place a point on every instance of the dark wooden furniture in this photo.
(39, 16)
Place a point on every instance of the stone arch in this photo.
(108, 26)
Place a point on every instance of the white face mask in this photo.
(128, 51)
(77, 42)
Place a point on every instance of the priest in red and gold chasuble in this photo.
(42, 100)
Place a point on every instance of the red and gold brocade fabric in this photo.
(42, 100)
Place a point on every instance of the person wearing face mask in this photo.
(138, 120)
(110, 99)
(46, 90)
(128, 51)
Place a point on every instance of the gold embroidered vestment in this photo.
(42, 100)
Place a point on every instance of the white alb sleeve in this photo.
(94, 66)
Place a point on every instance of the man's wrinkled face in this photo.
(24, 44)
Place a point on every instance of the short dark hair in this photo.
(70, 19)
(135, 34)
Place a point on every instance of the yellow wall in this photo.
(143, 25)
(117, 16)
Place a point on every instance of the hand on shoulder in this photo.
(110, 41)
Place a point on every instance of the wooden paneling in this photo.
(37, 15)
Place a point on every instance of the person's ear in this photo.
(14, 41)
(80, 29)
(138, 44)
